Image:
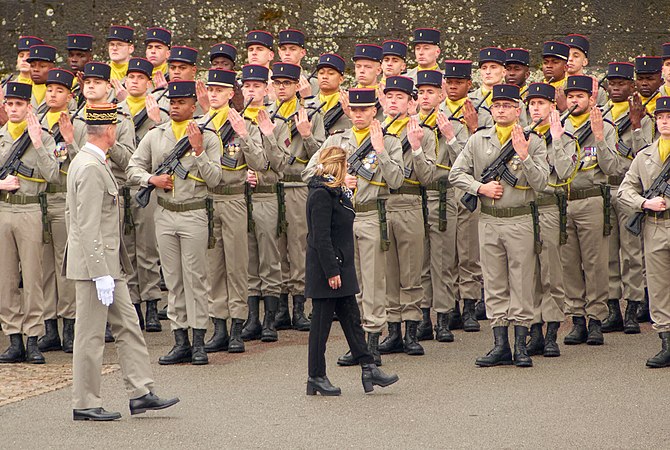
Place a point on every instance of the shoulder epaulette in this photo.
(333, 133)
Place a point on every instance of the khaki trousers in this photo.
(265, 276)
(467, 249)
(549, 298)
(293, 245)
(656, 235)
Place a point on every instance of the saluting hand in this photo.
(159, 80)
(34, 129)
(561, 99)
(304, 88)
(412, 107)
(445, 126)
(66, 128)
(303, 124)
(344, 101)
(555, 127)
(201, 94)
(264, 123)
(377, 136)
(237, 122)
(637, 111)
(381, 97)
(153, 110)
(414, 133)
(195, 137)
(470, 116)
(119, 90)
(597, 124)
(519, 142)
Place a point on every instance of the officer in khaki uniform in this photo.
(426, 51)
(330, 75)
(378, 169)
(21, 228)
(228, 261)
(182, 221)
(506, 227)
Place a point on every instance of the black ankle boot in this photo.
(68, 335)
(252, 327)
(578, 334)
(480, 310)
(16, 352)
(269, 333)
(643, 313)
(321, 385)
(109, 337)
(153, 323)
(372, 376)
(501, 353)
(630, 325)
(442, 331)
(219, 340)
(662, 358)
(283, 318)
(162, 314)
(614, 321)
(373, 347)
(551, 349)
(181, 352)
(236, 344)
(425, 330)
(469, 316)
(33, 353)
(455, 318)
(595, 336)
(300, 322)
(521, 358)
(346, 360)
(410, 344)
(140, 316)
(392, 343)
(198, 353)
(51, 340)
(536, 344)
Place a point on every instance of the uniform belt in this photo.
(614, 180)
(365, 207)
(226, 190)
(292, 179)
(579, 194)
(658, 215)
(435, 185)
(56, 188)
(181, 207)
(506, 212)
(265, 189)
(545, 200)
(410, 190)
(20, 199)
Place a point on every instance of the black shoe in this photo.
(521, 358)
(219, 340)
(252, 327)
(500, 354)
(181, 352)
(109, 337)
(630, 325)
(236, 344)
(372, 376)
(392, 343)
(614, 321)
(410, 344)
(551, 349)
(283, 318)
(162, 314)
(33, 353)
(150, 402)
(578, 334)
(480, 310)
(425, 330)
(643, 312)
(16, 352)
(300, 322)
(140, 316)
(95, 414)
(455, 318)
(442, 331)
(68, 335)
(323, 386)
(269, 333)
(346, 360)
(153, 323)
(198, 353)
(51, 340)
(536, 344)
(595, 336)
(662, 358)
(470, 323)
(373, 347)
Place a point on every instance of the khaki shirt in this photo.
(449, 151)
(630, 142)
(644, 169)
(597, 159)
(147, 125)
(562, 158)
(67, 152)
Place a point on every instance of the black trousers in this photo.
(322, 319)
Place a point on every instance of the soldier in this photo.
(394, 59)
(120, 48)
(182, 67)
(181, 218)
(665, 70)
(644, 170)
(23, 53)
(20, 223)
(578, 59)
(330, 76)
(367, 68)
(102, 294)
(228, 261)
(405, 214)
(292, 51)
(42, 59)
(492, 72)
(158, 42)
(648, 79)
(70, 136)
(222, 56)
(260, 48)
(426, 50)
(517, 68)
(555, 68)
(379, 167)
(79, 52)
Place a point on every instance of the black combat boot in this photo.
(643, 313)
(109, 337)
(236, 344)
(536, 344)
(425, 330)
(269, 333)
(16, 352)
(455, 318)
(219, 340)
(521, 358)
(614, 321)
(578, 333)
(480, 310)
(662, 358)
(198, 353)
(68, 335)
(442, 331)
(252, 327)
(51, 340)
(500, 354)
(411, 345)
(469, 316)
(300, 322)
(33, 353)
(373, 347)
(181, 352)
(392, 343)
(162, 314)
(140, 316)
(595, 336)
(283, 318)
(630, 325)
(152, 323)
(372, 376)
(550, 343)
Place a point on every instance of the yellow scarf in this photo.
(619, 109)
(221, 117)
(330, 100)
(162, 68)
(453, 106)
(542, 130)
(288, 107)
(135, 104)
(397, 126)
(39, 92)
(360, 134)
(119, 71)
(578, 121)
(179, 129)
(504, 133)
(360, 86)
(664, 148)
(24, 80)
(435, 67)
(52, 118)
(17, 129)
(559, 83)
(489, 99)
(651, 106)
(430, 121)
(252, 113)
(665, 90)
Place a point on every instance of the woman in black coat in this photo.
(330, 274)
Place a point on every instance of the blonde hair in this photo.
(333, 161)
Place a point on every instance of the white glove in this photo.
(105, 287)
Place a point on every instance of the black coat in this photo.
(330, 242)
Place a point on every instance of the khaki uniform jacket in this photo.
(597, 160)
(562, 158)
(276, 153)
(146, 126)
(342, 123)
(449, 151)
(643, 171)
(71, 150)
(630, 142)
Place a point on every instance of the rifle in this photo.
(658, 188)
(7, 80)
(626, 124)
(331, 116)
(276, 113)
(355, 161)
(226, 133)
(588, 131)
(57, 135)
(171, 165)
(294, 129)
(498, 169)
(564, 117)
(479, 105)
(13, 164)
(143, 115)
